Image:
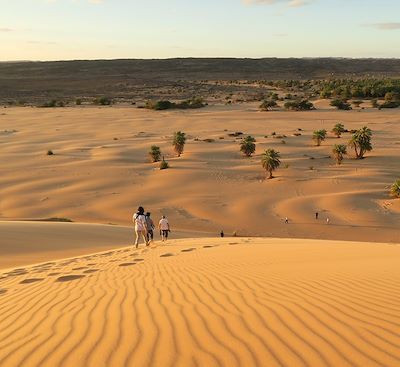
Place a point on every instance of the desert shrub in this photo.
(78, 101)
(338, 129)
(103, 101)
(302, 105)
(268, 105)
(155, 153)
(166, 105)
(389, 104)
(178, 142)
(236, 134)
(247, 146)
(395, 189)
(340, 104)
(53, 103)
(319, 136)
(209, 140)
(339, 150)
(164, 164)
(49, 152)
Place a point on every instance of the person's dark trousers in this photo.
(150, 235)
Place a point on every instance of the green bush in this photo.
(340, 104)
(303, 105)
(103, 101)
(155, 153)
(164, 164)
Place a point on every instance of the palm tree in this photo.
(270, 161)
(155, 153)
(339, 150)
(178, 142)
(395, 189)
(361, 141)
(338, 129)
(247, 146)
(319, 136)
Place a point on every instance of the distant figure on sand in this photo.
(164, 228)
(222, 234)
(327, 220)
(287, 220)
(316, 215)
(150, 228)
(139, 220)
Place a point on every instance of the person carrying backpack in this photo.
(150, 228)
(139, 220)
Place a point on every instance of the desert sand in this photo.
(78, 294)
(207, 302)
(100, 173)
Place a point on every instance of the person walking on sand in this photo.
(287, 220)
(164, 228)
(150, 228)
(316, 215)
(327, 220)
(139, 220)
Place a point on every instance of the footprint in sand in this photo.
(90, 271)
(2, 291)
(31, 280)
(68, 278)
(208, 246)
(80, 268)
(188, 250)
(167, 255)
(127, 264)
(233, 243)
(92, 264)
(138, 260)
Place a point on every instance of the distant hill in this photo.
(141, 78)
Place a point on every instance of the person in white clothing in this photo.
(139, 219)
(164, 228)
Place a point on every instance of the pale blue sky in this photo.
(94, 29)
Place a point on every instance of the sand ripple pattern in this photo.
(204, 302)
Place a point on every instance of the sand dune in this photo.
(100, 172)
(207, 302)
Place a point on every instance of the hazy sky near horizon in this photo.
(107, 29)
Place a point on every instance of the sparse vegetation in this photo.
(164, 164)
(302, 105)
(268, 105)
(361, 142)
(338, 130)
(103, 101)
(248, 146)
(155, 153)
(167, 105)
(319, 136)
(178, 142)
(49, 152)
(341, 104)
(395, 189)
(339, 151)
(270, 161)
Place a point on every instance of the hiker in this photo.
(139, 219)
(327, 220)
(164, 228)
(150, 228)
(287, 220)
(222, 234)
(316, 215)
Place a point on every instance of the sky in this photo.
(110, 29)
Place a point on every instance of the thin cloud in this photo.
(6, 30)
(384, 26)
